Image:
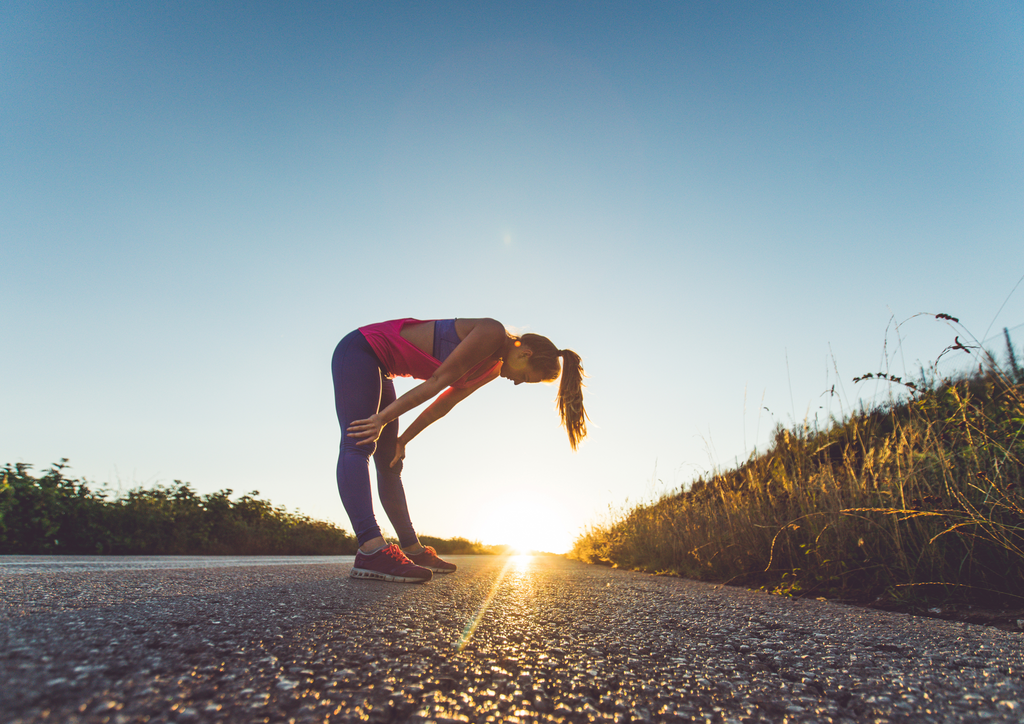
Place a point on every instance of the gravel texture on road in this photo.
(502, 640)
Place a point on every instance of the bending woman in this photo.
(454, 358)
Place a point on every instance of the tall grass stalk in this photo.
(919, 499)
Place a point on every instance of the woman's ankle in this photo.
(372, 546)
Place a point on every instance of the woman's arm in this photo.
(438, 409)
(487, 337)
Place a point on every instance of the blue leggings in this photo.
(361, 390)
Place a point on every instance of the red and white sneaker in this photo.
(389, 564)
(428, 559)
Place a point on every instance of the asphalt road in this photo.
(502, 640)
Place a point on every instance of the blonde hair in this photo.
(570, 390)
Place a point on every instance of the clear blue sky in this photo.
(720, 206)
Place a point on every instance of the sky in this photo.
(728, 209)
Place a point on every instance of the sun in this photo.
(526, 523)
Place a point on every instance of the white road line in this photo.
(25, 564)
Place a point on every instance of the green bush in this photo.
(54, 514)
(458, 546)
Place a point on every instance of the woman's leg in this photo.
(357, 390)
(389, 480)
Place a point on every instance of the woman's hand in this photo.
(368, 430)
(399, 454)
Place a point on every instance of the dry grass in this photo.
(918, 500)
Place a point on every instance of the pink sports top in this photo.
(401, 358)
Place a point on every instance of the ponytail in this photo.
(570, 388)
(570, 397)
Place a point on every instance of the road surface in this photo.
(502, 640)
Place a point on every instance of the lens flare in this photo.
(519, 562)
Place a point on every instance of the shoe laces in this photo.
(395, 552)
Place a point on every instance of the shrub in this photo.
(56, 514)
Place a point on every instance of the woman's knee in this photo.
(384, 467)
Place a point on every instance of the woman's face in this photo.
(517, 368)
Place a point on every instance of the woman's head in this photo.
(543, 364)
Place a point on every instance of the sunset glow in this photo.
(526, 524)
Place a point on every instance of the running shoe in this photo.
(428, 559)
(389, 564)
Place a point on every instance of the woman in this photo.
(454, 358)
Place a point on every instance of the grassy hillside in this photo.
(918, 501)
